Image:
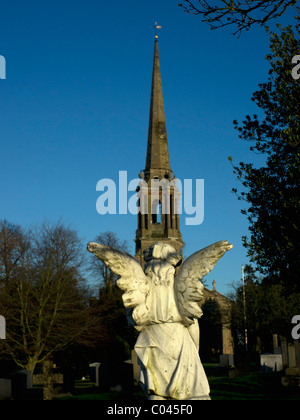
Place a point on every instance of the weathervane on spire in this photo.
(156, 27)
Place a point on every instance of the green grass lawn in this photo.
(255, 386)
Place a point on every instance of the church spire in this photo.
(157, 159)
(159, 219)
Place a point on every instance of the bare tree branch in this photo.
(103, 274)
(241, 14)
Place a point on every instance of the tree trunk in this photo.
(31, 363)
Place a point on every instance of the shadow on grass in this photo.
(255, 386)
(87, 391)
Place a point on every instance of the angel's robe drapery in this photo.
(167, 353)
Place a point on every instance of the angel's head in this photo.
(163, 252)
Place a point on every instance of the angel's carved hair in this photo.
(160, 272)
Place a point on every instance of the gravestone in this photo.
(69, 375)
(271, 362)
(136, 366)
(5, 389)
(297, 353)
(291, 355)
(127, 374)
(18, 386)
(115, 375)
(94, 372)
(47, 380)
(284, 351)
(226, 360)
(276, 347)
(20, 382)
(28, 374)
(108, 375)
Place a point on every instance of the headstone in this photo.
(126, 375)
(18, 386)
(28, 374)
(297, 353)
(276, 346)
(292, 371)
(291, 355)
(38, 378)
(94, 372)
(5, 389)
(136, 366)
(115, 376)
(47, 380)
(69, 380)
(20, 382)
(109, 376)
(226, 360)
(271, 362)
(284, 352)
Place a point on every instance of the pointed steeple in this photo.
(157, 159)
(159, 220)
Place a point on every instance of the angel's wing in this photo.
(133, 280)
(188, 288)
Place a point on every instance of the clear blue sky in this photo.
(75, 106)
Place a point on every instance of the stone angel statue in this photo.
(163, 304)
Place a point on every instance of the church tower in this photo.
(158, 219)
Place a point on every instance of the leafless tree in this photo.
(43, 295)
(241, 14)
